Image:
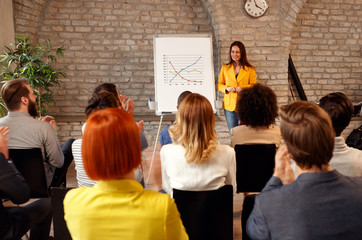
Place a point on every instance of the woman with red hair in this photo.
(117, 207)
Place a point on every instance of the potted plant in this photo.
(33, 62)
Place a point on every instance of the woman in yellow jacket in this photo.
(117, 207)
(234, 76)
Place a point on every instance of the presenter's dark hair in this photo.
(340, 109)
(243, 60)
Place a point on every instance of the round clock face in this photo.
(256, 8)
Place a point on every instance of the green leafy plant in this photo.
(33, 62)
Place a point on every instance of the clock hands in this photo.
(256, 5)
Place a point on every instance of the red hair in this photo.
(111, 145)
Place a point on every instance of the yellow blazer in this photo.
(121, 209)
(246, 78)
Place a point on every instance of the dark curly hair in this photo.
(257, 106)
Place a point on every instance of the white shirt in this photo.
(217, 171)
(346, 160)
(82, 177)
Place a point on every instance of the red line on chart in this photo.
(182, 76)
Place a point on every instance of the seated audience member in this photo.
(164, 135)
(117, 207)
(98, 101)
(256, 109)
(27, 132)
(125, 103)
(346, 160)
(321, 203)
(16, 221)
(195, 161)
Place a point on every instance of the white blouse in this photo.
(217, 171)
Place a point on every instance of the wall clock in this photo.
(256, 8)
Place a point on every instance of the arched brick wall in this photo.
(267, 39)
(88, 27)
(326, 48)
(112, 41)
(27, 16)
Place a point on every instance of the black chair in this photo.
(206, 214)
(61, 231)
(254, 166)
(29, 162)
(248, 206)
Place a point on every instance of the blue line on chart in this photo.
(185, 68)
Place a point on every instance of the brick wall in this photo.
(112, 41)
(326, 48)
(27, 16)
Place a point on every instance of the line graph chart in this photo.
(183, 69)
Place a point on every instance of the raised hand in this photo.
(140, 125)
(4, 141)
(50, 120)
(130, 106)
(123, 99)
(283, 169)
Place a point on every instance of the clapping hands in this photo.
(126, 103)
(4, 141)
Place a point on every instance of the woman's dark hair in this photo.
(243, 60)
(109, 87)
(101, 100)
(257, 106)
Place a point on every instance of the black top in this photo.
(13, 187)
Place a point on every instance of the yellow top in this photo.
(246, 79)
(121, 209)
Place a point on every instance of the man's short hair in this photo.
(12, 92)
(307, 130)
(340, 109)
(182, 96)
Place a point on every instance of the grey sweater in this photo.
(27, 132)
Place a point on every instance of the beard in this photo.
(32, 109)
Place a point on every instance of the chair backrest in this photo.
(61, 231)
(248, 206)
(29, 162)
(254, 166)
(206, 214)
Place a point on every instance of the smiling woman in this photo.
(234, 76)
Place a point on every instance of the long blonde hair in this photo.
(194, 128)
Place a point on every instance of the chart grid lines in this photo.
(183, 69)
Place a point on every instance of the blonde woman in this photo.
(194, 161)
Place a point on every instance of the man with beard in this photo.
(28, 132)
